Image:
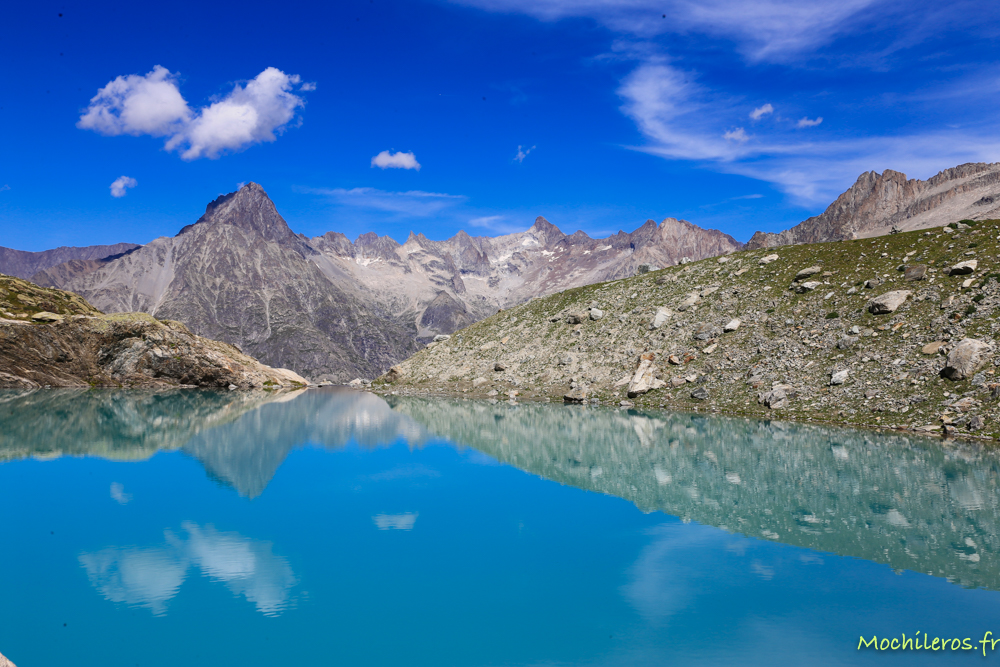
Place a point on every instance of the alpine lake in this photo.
(336, 527)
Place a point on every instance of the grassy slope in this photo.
(20, 299)
(786, 337)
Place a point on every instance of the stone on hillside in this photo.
(356, 382)
(962, 268)
(677, 382)
(968, 282)
(440, 338)
(873, 283)
(768, 259)
(705, 331)
(966, 358)
(723, 260)
(916, 272)
(839, 377)
(684, 260)
(46, 316)
(710, 349)
(660, 318)
(732, 325)
(674, 360)
(976, 423)
(853, 290)
(689, 301)
(712, 289)
(500, 366)
(888, 302)
(700, 394)
(846, 342)
(932, 348)
(805, 273)
(578, 395)
(479, 382)
(644, 378)
(774, 399)
(596, 314)
(574, 318)
(512, 394)
(394, 374)
(807, 287)
(493, 392)
(979, 379)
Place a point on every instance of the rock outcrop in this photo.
(125, 350)
(879, 203)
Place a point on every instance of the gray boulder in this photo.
(700, 394)
(661, 317)
(962, 268)
(805, 273)
(596, 314)
(644, 379)
(917, 272)
(888, 302)
(774, 399)
(966, 359)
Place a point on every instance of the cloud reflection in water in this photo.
(151, 576)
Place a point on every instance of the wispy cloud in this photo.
(496, 224)
(765, 30)
(806, 122)
(152, 104)
(415, 203)
(118, 494)
(4, 187)
(121, 184)
(760, 112)
(739, 135)
(521, 153)
(399, 160)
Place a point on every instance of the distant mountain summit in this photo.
(330, 308)
(878, 203)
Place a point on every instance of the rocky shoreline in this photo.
(892, 332)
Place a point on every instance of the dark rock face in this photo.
(132, 350)
(878, 203)
(23, 264)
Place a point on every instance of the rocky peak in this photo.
(248, 208)
(545, 231)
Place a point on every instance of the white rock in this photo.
(661, 317)
(829, 295)
(710, 349)
(840, 377)
(440, 338)
(596, 314)
(723, 260)
(807, 287)
(768, 259)
(691, 300)
(888, 302)
(966, 358)
(805, 273)
(964, 268)
(733, 325)
(968, 282)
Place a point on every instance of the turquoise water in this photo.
(337, 528)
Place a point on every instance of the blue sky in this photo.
(598, 115)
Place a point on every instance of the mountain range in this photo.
(333, 309)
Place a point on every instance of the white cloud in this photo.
(118, 494)
(152, 105)
(4, 187)
(396, 521)
(805, 122)
(760, 112)
(739, 135)
(308, 86)
(400, 160)
(416, 203)
(521, 154)
(121, 184)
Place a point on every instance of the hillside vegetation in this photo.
(807, 332)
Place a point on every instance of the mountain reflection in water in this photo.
(911, 503)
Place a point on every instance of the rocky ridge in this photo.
(25, 264)
(867, 332)
(334, 309)
(878, 204)
(66, 342)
